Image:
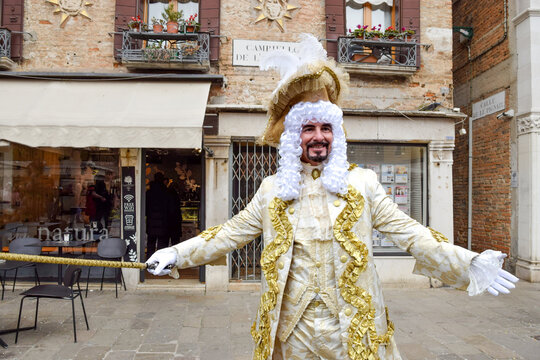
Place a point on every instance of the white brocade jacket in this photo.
(366, 331)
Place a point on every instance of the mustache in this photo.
(317, 143)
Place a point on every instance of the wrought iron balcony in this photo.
(149, 50)
(378, 56)
(5, 50)
(5, 43)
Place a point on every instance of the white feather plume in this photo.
(285, 62)
(310, 50)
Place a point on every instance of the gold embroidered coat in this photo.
(365, 330)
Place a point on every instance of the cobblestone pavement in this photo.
(143, 324)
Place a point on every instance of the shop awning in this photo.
(116, 114)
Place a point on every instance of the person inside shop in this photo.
(103, 205)
(174, 214)
(157, 215)
(321, 295)
(94, 205)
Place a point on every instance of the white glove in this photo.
(502, 283)
(486, 273)
(161, 259)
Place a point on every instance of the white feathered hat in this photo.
(309, 76)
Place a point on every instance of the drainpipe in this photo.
(470, 194)
(470, 198)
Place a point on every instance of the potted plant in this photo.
(189, 48)
(360, 31)
(406, 34)
(157, 25)
(191, 25)
(375, 33)
(391, 33)
(172, 17)
(136, 24)
(155, 52)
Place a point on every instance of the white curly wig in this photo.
(335, 167)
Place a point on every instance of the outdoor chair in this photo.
(20, 246)
(63, 292)
(110, 249)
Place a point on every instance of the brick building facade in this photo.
(109, 88)
(494, 203)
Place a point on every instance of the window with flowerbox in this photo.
(364, 33)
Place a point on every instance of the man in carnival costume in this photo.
(321, 296)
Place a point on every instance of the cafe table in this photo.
(61, 244)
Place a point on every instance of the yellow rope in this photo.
(70, 261)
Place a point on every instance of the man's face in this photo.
(316, 142)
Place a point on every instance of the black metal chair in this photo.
(64, 292)
(110, 249)
(20, 246)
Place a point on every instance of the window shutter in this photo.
(12, 18)
(209, 19)
(409, 17)
(335, 24)
(125, 10)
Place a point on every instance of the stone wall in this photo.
(82, 45)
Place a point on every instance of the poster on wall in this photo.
(401, 194)
(387, 173)
(129, 218)
(402, 174)
(389, 191)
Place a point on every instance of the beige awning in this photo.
(116, 114)
(373, 2)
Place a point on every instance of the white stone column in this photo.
(527, 22)
(440, 197)
(217, 203)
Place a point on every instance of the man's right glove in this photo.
(502, 283)
(161, 259)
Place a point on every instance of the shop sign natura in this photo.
(249, 52)
(488, 106)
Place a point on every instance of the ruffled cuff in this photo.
(483, 271)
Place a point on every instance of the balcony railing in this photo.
(149, 50)
(387, 55)
(5, 50)
(5, 43)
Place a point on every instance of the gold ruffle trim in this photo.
(438, 236)
(352, 166)
(364, 320)
(269, 256)
(210, 233)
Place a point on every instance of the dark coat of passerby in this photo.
(174, 216)
(157, 209)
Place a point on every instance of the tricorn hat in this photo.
(309, 76)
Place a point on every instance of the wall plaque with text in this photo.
(249, 52)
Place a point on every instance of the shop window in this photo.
(401, 170)
(59, 193)
(370, 12)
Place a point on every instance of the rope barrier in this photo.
(71, 261)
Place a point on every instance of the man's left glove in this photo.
(161, 259)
